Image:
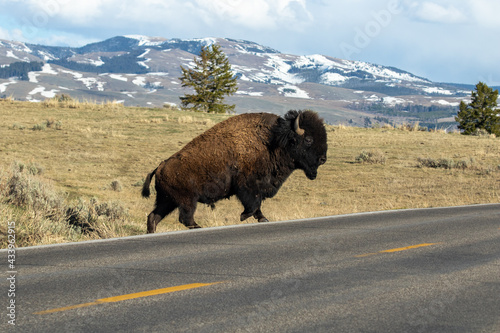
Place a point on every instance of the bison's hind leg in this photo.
(186, 215)
(163, 208)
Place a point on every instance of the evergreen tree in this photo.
(211, 79)
(481, 113)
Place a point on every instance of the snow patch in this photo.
(143, 63)
(89, 82)
(140, 81)
(129, 93)
(11, 54)
(443, 102)
(437, 90)
(41, 90)
(315, 60)
(32, 77)
(250, 93)
(146, 40)
(46, 56)
(76, 75)
(293, 91)
(144, 54)
(118, 77)
(46, 69)
(372, 98)
(3, 86)
(332, 78)
(392, 101)
(96, 63)
(279, 71)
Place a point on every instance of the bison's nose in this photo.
(322, 160)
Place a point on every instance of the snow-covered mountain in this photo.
(140, 70)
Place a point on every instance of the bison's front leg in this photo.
(251, 203)
(259, 216)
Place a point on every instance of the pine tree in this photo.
(481, 113)
(212, 79)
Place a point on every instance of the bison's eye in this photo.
(308, 141)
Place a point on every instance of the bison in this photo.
(249, 155)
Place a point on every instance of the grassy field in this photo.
(74, 171)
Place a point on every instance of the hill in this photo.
(73, 171)
(144, 71)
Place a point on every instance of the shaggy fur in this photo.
(250, 156)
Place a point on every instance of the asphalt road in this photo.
(428, 270)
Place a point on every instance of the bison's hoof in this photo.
(243, 217)
(194, 226)
(263, 219)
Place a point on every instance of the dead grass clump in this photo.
(18, 126)
(415, 127)
(25, 189)
(445, 163)
(95, 217)
(42, 214)
(371, 157)
(195, 120)
(52, 123)
(66, 101)
(116, 185)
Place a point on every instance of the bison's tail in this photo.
(145, 188)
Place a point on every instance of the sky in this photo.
(442, 40)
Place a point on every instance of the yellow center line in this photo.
(129, 296)
(396, 250)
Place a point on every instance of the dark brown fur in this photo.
(249, 156)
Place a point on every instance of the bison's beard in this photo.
(311, 173)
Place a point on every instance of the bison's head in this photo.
(303, 135)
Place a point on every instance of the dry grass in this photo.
(104, 144)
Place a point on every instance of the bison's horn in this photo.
(296, 127)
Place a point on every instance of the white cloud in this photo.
(257, 14)
(77, 12)
(437, 13)
(425, 36)
(486, 12)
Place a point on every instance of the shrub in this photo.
(116, 185)
(25, 190)
(85, 215)
(18, 126)
(51, 123)
(372, 157)
(39, 127)
(42, 213)
(445, 163)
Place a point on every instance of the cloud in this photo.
(486, 12)
(76, 12)
(411, 38)
(257, 14)
(436, 13)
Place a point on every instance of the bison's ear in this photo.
(286, 130)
